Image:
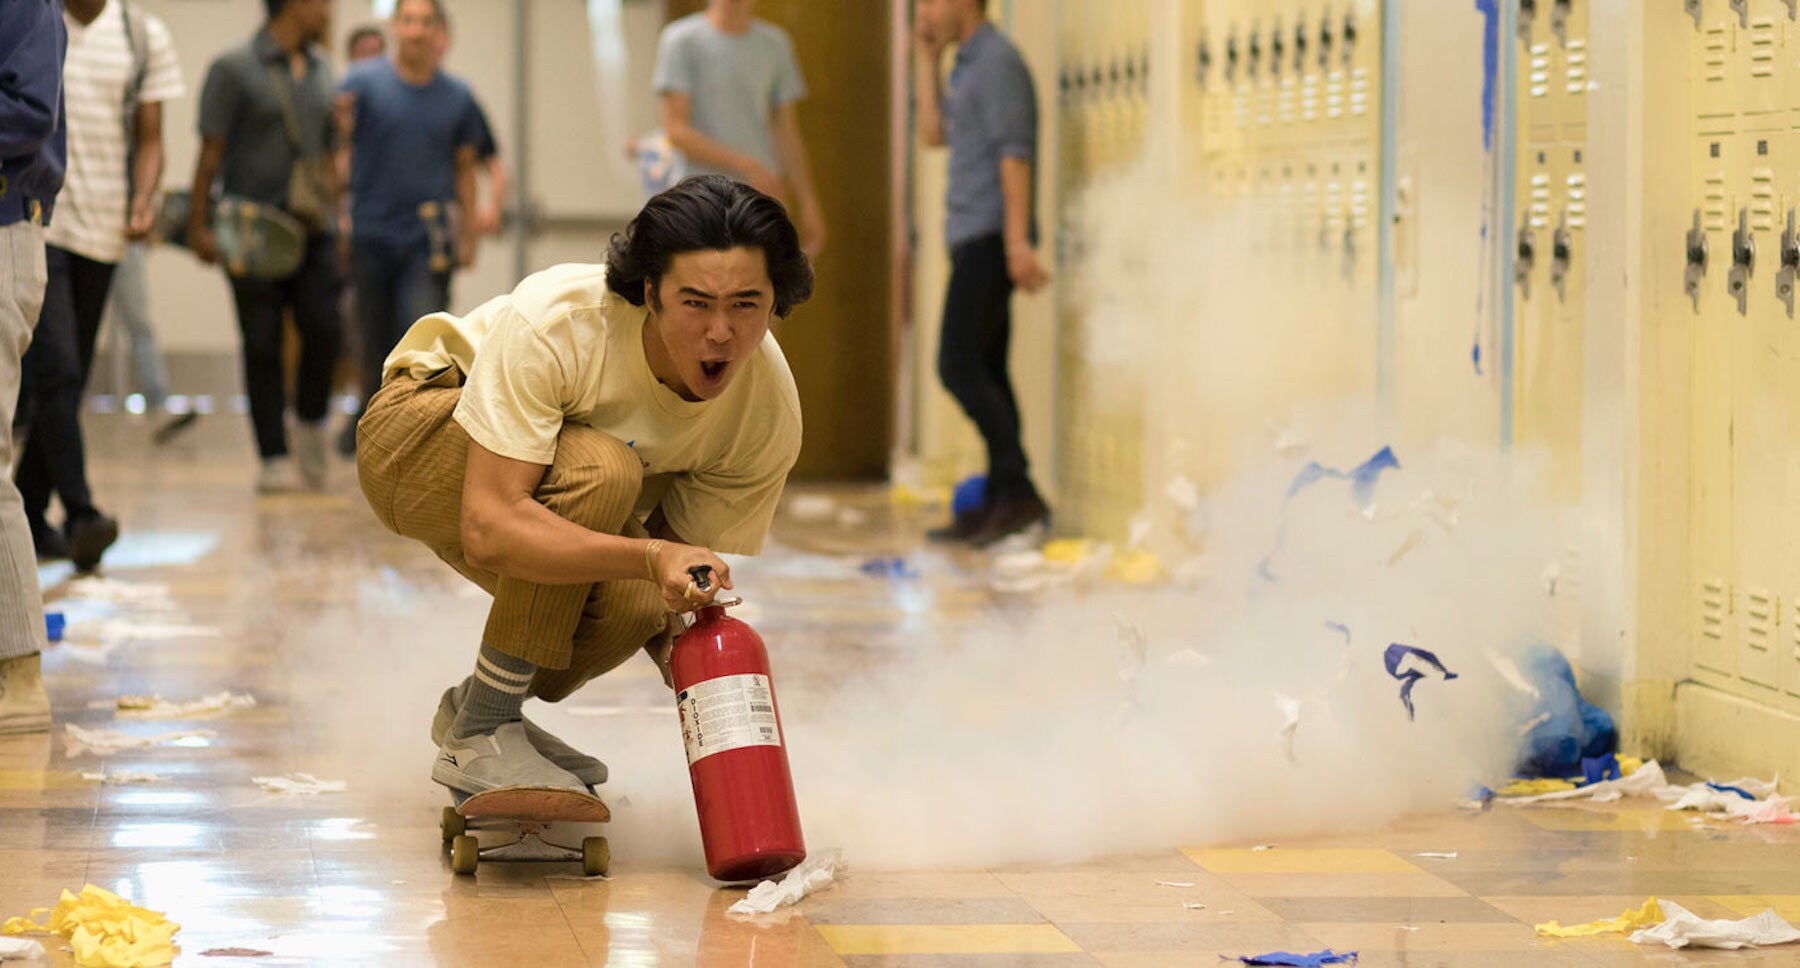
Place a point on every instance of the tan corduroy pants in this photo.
(410, 456)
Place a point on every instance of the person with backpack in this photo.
(268, 136)
(120, 69)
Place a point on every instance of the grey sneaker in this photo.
(502, 758)
(588, 769)
(309, 452)
(24, 706)
(277, 476)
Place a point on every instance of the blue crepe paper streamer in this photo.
(1726, 788)
(1363, 478)
(1597, 769)
(1397, 653)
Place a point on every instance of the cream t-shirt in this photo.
(563, 347)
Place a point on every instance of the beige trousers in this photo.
(410, 456)
(22, 277)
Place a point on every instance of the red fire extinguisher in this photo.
(749, 822)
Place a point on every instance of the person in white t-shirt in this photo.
(525, 442)
(119, 70)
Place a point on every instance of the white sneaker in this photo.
(277, 476)
(309, 452)
(501, 758)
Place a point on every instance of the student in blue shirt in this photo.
(987, 116)
(415, 135)
(33, 145)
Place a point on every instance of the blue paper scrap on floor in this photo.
(1326, 957)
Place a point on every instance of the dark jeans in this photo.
(394, 287)
(972, 358)
(54, 378)
(312, 294)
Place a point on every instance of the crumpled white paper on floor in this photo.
(1682, 928)
(156, 707)
(20, 950)
(815, 873)
(301, 783)
(105, 741)
(122, 777)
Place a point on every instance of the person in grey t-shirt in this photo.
(728, 84)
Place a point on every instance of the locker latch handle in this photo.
(1525, 256)
(1231, 56)
(1790, 245)
(1694, 10)
(1202, 61)
(1743, 11)
(1324, 43)
(1277, 50)
(1349, 37)
(1527, 13)
(1559, 20)
(1561, 255)
(1255, 53)
(1696, 260)
(1743, 245)
(1300, 46)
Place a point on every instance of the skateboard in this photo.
(254, 240)
(497, 821)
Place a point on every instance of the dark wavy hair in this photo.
(709, 212)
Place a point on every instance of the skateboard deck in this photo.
(254, 240)
(498, 821)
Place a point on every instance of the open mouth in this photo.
(714, 368)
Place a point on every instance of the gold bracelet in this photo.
(650, 551)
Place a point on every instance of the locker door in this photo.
(1714, 55)
(1762, 34)
(1759, 441)
(1569, 29)
(1715, 322)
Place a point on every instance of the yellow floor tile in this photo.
(1337, 860)
(946, 939)
(1749, 905)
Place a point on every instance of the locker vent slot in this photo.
(1764, 40)
(1538, 72)
(1540, 200)
(1575, 72)
(1760, 619)
(1715, 205)
(1577, 188)
(1713, 609)
(1715, 53)
(1762, 200)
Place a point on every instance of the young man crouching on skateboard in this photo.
(517, 441)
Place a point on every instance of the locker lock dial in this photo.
(1696, 260)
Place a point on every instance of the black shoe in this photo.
(346, 442)
(89, 538)
(48, 542)
(962, 527)
(174, 427)
(1009, 517)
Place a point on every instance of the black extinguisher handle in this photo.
(702, 576)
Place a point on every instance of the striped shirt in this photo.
(91, 211)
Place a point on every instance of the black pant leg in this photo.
(313, 294)
(259, 309)
(975, 333)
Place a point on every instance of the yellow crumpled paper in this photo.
(1067, 551)
(105, 930)
(1531, 788)
(1648, 916)
(1135, 568)
(908, 496)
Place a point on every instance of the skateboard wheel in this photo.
(452, 824)
(596, 856)
(465, 854)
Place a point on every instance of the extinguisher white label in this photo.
(727, 713)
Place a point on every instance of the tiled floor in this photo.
(345, 634)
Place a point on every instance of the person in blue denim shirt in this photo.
(987, 116)
(33, 154)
